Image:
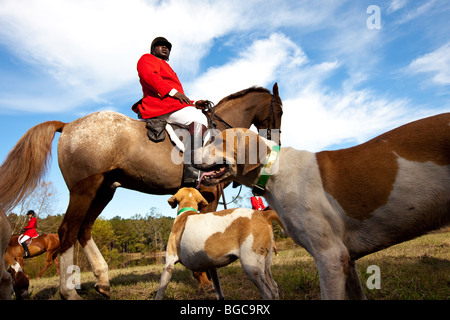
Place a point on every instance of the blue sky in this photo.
(341, 80)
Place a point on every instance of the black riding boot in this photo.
(191, 175)
(25, 248)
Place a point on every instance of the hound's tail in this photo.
(271, 215)
(26, 163)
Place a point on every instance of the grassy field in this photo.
(417, 269)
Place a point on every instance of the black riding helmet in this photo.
(161, 41)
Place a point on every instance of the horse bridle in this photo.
(269, 119)
(211, 108)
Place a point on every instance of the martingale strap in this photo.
(260, 187)
(182, 210)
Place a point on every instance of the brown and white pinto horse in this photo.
(344, 204)
(106, 150)
(47, 242)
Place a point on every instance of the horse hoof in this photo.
(103, 290)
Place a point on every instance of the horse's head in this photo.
(268, 120)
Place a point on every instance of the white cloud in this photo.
(261, 63)
(317, 120)
(396, 5)
(414, 13)
(436, 63)
(314, 117)
(92, 47)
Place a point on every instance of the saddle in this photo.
(28, 242)
(157, 128)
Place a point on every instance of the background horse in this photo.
(5, 277)
(16, 279)
(48, 243)
(106, 150)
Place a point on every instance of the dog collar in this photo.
(260, 186)
(182, 210)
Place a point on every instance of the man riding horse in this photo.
(164, 98)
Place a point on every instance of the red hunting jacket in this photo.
(257, 203)
(157, 79)
(30, 228)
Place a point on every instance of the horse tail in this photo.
(26, 163)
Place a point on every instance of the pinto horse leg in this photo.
(81, 198)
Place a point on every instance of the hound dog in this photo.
(206, 241)
(341, 205)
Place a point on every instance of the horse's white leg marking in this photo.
(66, 286)
(99, 266)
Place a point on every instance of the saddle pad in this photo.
(28, 242)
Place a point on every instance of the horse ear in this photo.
(275, 90)
(173, 201)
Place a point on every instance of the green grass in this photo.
(417, 269)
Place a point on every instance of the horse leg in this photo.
(81, 197)
(48, 260)
(98, 263)
(56, 262)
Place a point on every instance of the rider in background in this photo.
(29, 231)
(257, 203)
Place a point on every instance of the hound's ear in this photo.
(201, 201)
(262, 150)
(249, 167)
(173, 201)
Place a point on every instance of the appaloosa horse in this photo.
(47, 242)
(106, 150)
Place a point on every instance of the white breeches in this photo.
(186, 116)
(24, 238)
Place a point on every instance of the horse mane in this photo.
(243, 93)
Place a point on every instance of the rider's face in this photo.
(161, 51)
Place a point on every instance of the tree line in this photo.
(136, 234)
(140, 233)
